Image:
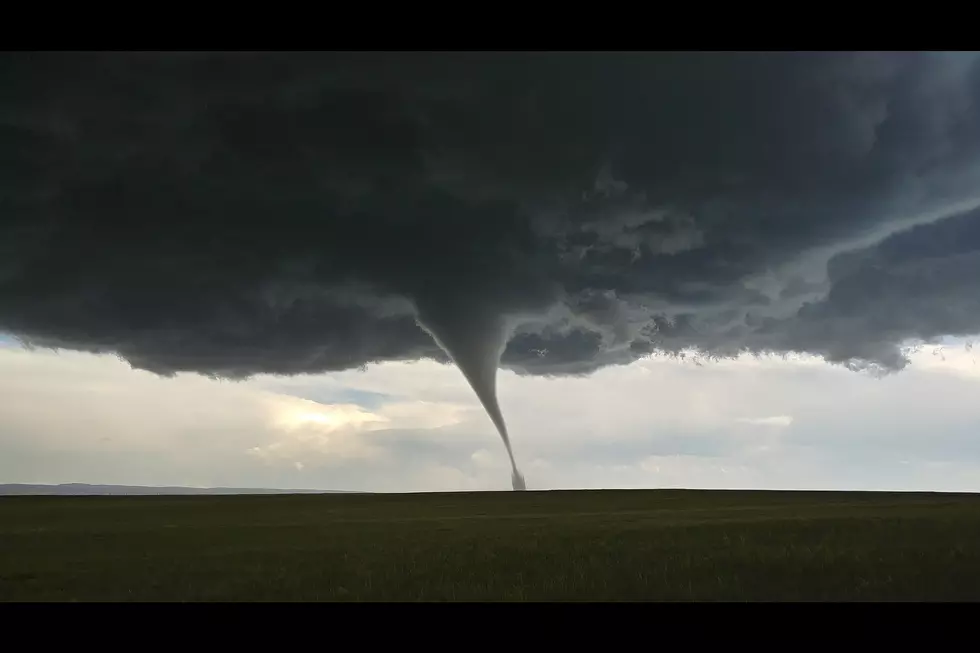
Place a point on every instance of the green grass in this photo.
(533, 546)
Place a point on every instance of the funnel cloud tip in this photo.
(517, 481)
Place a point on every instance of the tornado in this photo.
(475, 342)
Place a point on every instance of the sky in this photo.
(348, 270)
(415, 427)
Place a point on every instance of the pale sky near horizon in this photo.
(773, 423)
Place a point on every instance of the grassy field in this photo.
(604, 545)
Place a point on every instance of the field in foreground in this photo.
(583, 545)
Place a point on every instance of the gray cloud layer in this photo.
(240, 213)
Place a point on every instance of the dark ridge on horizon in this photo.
(85, 489)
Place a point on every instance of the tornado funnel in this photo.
(475, 346)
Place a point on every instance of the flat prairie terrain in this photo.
(675, 545)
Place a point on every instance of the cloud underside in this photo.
(234, 214)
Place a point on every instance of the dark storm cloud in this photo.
(240, 213)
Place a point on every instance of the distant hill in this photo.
(83, 489)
